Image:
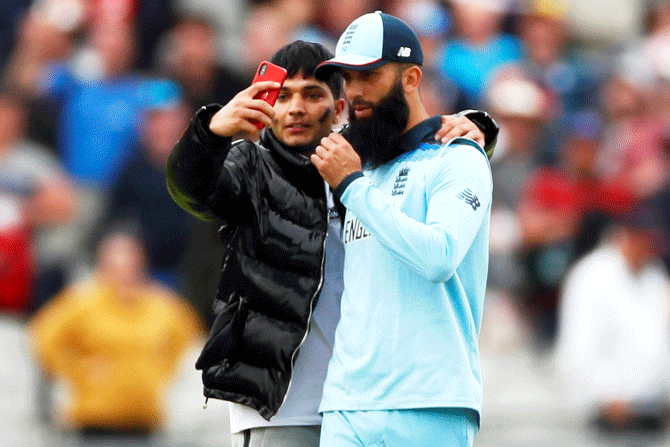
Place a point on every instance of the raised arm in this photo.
(196, 163)
(458, 203)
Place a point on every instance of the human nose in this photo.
(296, 105)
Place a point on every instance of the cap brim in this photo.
(349, 62)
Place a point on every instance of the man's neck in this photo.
(417, 113)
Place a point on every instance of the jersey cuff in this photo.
(344, 183)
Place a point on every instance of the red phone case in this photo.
(267, 71)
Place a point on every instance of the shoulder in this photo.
(247, 150)
(76, 299)
(161, 293)
(172, 306)
(464, 151)
(459, 161)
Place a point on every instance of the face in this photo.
(195, 47)
(641, 247)
(476, 22)
(366, 88)
(116, 47)
(621, 98)
(377, 124)
(161, 129)
(544, 39)
(305, 112)
(121, 259)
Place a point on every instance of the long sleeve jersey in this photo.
(416, 259)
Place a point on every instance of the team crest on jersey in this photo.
(353, 231)
(470, 198)
(400, 182)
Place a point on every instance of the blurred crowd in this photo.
(94, 94)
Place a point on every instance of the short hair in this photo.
(303, 57)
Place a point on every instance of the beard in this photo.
(375, 138)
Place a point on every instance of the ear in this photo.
(339, 108)
(411, 78)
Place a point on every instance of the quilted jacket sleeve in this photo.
(195, 164)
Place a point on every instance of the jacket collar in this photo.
(293, 156)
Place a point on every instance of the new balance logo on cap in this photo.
(404, 52)
(372, 40)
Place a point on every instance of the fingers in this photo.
(449, 122)
(319, 159)
(241, 114)
(244, 111)
(457, 130)
(476, 135)
(333, 140)
(334, 146)
(248, 121)
(453, 127)
(316, 160)
(252, 98)
(260, 87)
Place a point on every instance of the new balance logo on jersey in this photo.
(400, 181)
(353, 231)
(404, 52)
(470, 198)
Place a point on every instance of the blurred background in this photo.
(105, 284)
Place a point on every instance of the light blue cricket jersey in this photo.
(416, 238)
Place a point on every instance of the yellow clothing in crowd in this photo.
(116, 351)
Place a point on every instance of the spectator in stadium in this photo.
(114, 339)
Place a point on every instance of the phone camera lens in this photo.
(263, 68)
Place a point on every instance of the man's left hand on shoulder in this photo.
(335, 159)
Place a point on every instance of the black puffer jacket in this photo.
(275, 217)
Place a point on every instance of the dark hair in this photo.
(195, 20)
(303, 57)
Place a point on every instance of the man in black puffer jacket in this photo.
(278, 216)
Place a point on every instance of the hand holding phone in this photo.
(267, 71)
(245, 113)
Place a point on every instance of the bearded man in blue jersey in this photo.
(405, 369)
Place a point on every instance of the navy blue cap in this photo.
(372, 40)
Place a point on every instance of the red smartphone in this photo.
(267, 71)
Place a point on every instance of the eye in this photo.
(369, 75)
(282, 97)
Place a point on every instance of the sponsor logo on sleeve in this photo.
(470, 198)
